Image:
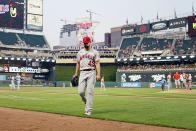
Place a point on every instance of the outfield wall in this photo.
(146, 79)
(64, 72)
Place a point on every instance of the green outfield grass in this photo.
(137, 105)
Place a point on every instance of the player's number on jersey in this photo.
(91, 63)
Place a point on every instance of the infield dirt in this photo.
(21, 120)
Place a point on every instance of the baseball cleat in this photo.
(88, 113)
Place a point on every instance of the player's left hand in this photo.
(98, 77)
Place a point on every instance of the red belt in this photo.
(87, 69)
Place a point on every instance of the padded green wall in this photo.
(65, 72)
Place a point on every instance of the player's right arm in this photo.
(77, 65)
(77, 68)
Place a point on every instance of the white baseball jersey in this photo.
(12, 79)
(189, 77)
(87, 59)
(169, 78)
(102, 80)
(184, 76)
(18, 77)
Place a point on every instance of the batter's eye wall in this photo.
(65, 72)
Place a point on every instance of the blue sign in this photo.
(159, 85)
(130, 84)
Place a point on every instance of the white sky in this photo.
(113, 13)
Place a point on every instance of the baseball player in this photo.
(88, 64)
(163, 81)
(169, 81)
(12, 82)
(184, 76)
(102, 83)
(18, 78)
(177, 80)
(189, 81)
(181, 80)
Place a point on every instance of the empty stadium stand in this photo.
(29, 40)
(33, 40)
(8, 38)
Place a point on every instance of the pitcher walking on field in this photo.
(89, 66)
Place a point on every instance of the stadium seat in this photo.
(183, 47)
(8, 38)
(128, 46)
(153, 44)
(33, 40)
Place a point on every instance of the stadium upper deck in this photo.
(158, 40)
(24, 45)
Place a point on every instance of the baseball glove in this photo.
(74, 81)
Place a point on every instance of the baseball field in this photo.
(150, 106)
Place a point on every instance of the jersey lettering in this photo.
(91, 63)
(86, 56)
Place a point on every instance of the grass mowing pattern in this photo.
(147, 108)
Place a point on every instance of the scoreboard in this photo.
(12, 14)
(192, 26)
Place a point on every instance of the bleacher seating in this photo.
(15, 39)
(128, 46)
(165, 43)
(152, 44)
(183, 47)
(33, 40)
(175, 46)
(8, 38)
(148, 44)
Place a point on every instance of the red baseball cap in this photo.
(86, 39)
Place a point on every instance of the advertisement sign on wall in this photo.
(159, 26)
(176, 23)
(158, 84)
(35, 7)
(24, 69)
(154, 77)
(127, 31)
(131, 84)
(142, 28)
(34, 22)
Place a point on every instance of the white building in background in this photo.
(72, 34)
(68, 35)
